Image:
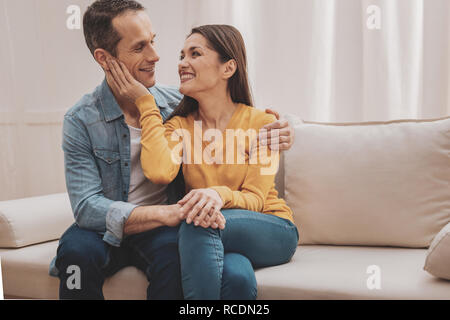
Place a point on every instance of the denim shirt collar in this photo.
(111, 108)
(161, 100)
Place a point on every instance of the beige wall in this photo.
(33, 161)
(315, 59)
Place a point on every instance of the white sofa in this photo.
(368, 199)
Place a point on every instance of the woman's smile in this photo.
(186, 76)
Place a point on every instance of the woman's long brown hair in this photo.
(227, 41)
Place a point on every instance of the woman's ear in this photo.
(100, 56)
(230, 69)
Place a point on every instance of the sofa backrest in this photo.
(374, 183)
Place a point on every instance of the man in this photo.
(121, 217)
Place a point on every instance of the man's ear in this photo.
(230, 69)
(100, 55)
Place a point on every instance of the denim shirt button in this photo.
(126, 164)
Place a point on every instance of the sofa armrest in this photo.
(280, 176)
(437, 262)
(34, 220)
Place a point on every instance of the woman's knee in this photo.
(201, 261)
(293, 243)
(191, 236)
(239, 282)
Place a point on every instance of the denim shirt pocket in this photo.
(109, 165)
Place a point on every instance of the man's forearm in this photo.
(144, 218)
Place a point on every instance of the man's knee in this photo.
(166, 260)
(81, 259)
(82, 249)
(164, 274)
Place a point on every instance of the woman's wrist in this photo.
(145, 102)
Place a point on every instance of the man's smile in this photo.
(148, 69)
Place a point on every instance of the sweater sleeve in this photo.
(161, 151)
(259, 179)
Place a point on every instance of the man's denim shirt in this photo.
(96, 144)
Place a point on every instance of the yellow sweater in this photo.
(242, 172)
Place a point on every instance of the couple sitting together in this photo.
(178, 185)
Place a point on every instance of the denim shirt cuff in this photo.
(53, 271)
(116, 217)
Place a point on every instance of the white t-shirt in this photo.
(142, 191)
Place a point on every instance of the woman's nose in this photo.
(182, 63)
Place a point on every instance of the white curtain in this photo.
(319, 59)
(316, 59)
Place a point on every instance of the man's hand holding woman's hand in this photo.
(122, 82)
(202, 206)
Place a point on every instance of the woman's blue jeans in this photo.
(262, 239)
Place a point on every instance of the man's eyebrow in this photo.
(139, 43)
(143, 42)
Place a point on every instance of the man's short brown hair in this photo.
(99, 31)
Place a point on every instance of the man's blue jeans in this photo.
(155, 252)
(264, 239)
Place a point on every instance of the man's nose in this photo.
(152, 55)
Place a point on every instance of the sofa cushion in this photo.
(375, 183)
(315, 272)
(343, 272)
(25, 274)
(438, 256)
(33, 220)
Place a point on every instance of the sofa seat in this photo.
(27, 270)
(315, 272)
(340, 272)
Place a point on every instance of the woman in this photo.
(232, 172)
